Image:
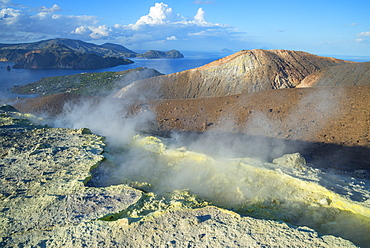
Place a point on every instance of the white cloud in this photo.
(172, 38)
(162, 23)
(159, 14)
(360, 40)
(20, 25)
(94, 32)
(81, 30)
(199, 17)
(53, 9)
(10, 16)
(99, 32)
(364, 34)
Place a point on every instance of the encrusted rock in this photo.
(42, 179)
(294, 160)
(44, 202)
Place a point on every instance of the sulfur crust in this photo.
(261, 190)
(58, 210)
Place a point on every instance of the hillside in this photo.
(12, 52)
(343, 75)
(79, 46)
(242, 72)
(61, 56)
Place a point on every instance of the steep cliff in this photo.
(343, 75)
(242, 72)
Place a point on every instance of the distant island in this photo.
(153, 54)
(74, 54)
(226, 50)
(60, 56)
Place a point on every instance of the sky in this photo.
(333, 27)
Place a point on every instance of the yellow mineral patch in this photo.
(44, 201)
(252, 187)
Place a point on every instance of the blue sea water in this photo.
(15, 77)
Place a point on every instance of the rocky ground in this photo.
(45, 202)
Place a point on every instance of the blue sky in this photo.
(320, 27)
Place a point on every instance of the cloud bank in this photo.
(363, 37)
(161, 24)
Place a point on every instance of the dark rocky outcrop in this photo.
(242, 72)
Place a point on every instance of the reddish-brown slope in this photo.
(342, 75)
(242, 72)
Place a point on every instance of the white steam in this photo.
(285, 190)
(108, 117)
(215, 168)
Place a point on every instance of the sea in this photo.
(16, 77)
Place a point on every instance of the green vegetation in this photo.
(93, 84)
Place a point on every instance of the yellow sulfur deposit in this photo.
(46, 198)
(251, 187)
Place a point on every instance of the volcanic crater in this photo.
(220, 129)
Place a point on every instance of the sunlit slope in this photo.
(243, 72)
(343, 75)
(287, 192)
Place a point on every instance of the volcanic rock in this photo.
(342, 75)
(43, 175)
(291, 160)
(242, 72)
(45, 202)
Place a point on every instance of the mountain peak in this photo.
(242, 72)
